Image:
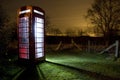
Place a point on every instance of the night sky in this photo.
(64, 14)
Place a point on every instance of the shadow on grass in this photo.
(95, 75)
(31, 73)
(41, 75)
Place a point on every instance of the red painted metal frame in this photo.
(31, 26)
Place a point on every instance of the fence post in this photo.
(117, 49)
(89, 46)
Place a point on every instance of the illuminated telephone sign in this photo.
(31, 27)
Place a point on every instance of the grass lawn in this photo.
(52, 71)
(65, 65)
(95, 63)
(9, 69)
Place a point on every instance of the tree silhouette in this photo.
(47, 23)
(104, 15)
(5, 31)
(3, 17)
(51, 28)
(70, 32)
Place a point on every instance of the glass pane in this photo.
(40, 25)
(23, 29)
(39, 35)
(39, 45)
(25, 24)
(25, 56)
(38, 50)
(23, 35)
(39, 30)
(39, 39)
(23, 45)
(24, 19)
(23, 50)
(24, 40)
(39, 55)
(40, 20)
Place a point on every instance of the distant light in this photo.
(38, 12)
(25, 11)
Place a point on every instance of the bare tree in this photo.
(56, 31)
(5, 31)
(47, 23)
(70, 32)
(80, 32)
(105, 16)
(4, 18)
(51, 28)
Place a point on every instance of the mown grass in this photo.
(8, 68)
(52, 71)
(93, 62)
(69, 65)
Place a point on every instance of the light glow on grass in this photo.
(53, 71)
(89, 62)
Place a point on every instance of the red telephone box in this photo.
(31, 33)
